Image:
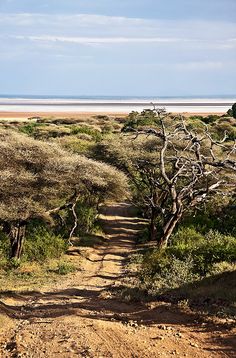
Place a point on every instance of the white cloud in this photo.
(81, 20)
(227, 44)
(89, 25)
(99, 40)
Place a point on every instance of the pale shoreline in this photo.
(68, 107)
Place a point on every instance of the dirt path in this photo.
(79, 318)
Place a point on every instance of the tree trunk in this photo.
(153, 229)
(169, 227)
(17, 237)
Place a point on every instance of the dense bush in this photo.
(87, 216)
(190, 256)
(42, 245)
(145, 118)
(161, 271)
(224, 127)
(210, 119)
(94, 133)
(232, 111)
(204, 251)
(218, 214)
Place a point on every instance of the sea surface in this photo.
(27, 103)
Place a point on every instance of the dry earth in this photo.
(79, 318)
(24, 116)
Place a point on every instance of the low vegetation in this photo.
(180, 173)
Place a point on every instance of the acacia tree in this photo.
(39, 179)
(192, 167)
(175, 168)
(232, 111)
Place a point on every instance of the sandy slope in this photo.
(79, 318)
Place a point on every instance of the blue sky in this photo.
(111, 47)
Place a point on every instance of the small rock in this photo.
(159, 338)
(178, 334)
(161, 326)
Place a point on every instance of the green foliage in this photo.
(210, 119)
(87, 220)
(230, 112)
(30, 129)
(143, 236)
(87, 217)
(234, 110)
(162, 271)
(94, 133)
(196, 117)
(63, 268)
(42, 245)
(204, 251)
(224, 127)
(191, 256)
(147, 117)
(217, 215)
(107, 128)
(187, 237)
(78, 145)
(13, 264)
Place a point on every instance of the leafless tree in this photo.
(174, 166)
(191, 167)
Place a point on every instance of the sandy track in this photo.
(79, 318)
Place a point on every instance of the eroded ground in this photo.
(79, 317)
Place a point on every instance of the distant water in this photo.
(119, 104)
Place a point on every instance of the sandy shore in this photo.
(27, 115)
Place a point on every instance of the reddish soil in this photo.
(26, 115)
(21, 116)
(80, 318)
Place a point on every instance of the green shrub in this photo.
(196, 117)
(162, 271)
(143, 236)
(147, 117)
(232, 111)
(42, 244)
(13, 263)
(107, 128)
(218, 216)
(191, 256)
(94, 133)
(187, 237)
(205, 252)
(30, 129)
(63, 268)
(87, 217)
(221, 128)
(210, 119)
